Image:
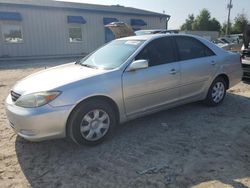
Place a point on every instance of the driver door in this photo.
(151, 88)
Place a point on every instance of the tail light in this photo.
(242, 57)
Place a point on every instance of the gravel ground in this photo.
(188, 146)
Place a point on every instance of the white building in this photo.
(32, 28)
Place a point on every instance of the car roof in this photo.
(155, 36)
(151, 30)
(215, 48)
(143, 37)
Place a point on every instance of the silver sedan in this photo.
(125, 79)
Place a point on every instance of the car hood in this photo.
(55, 77)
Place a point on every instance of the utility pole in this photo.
(167, 19)
(229, 6)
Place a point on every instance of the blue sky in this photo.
(179, 9)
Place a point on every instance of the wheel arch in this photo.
(110, 101)
(226, 78)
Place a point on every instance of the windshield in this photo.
(112, 55)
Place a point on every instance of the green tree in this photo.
(202, 22)
(240, 22)
(214, 25)
(188, 25)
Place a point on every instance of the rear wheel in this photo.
(91, 122)
(217, 92)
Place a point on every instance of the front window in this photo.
(75, 34)
(112, 55)
(158, 52)
(12, 33)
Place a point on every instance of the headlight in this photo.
(37, 99)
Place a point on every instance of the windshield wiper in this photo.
(77, 62)
(89, 66)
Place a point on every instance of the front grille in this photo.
(14, 96)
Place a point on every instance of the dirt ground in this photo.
(188, 146)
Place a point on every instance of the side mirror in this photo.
(138, 64)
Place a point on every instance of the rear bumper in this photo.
(37, 124)
(235, 77)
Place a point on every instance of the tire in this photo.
(216, 92)
(91, 122)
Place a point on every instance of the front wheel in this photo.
(91, 122)
(217, 92)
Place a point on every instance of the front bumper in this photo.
(37, 124)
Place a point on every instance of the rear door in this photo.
(156, 85)
(198, 65)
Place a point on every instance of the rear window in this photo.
(190, 48)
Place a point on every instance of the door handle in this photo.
(213, 62)
(173, 71)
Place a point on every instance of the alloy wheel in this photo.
(95, 125)
(218, 92)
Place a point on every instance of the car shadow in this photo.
(181, 147)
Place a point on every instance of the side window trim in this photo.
(175, 50)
